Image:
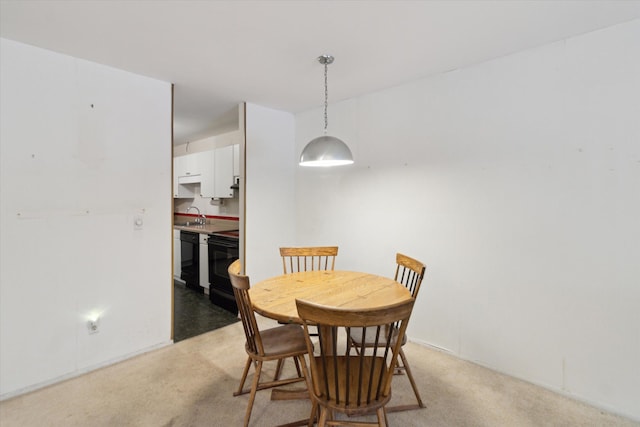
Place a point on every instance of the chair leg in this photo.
(244, 377)
(407, 368)
(252, 396)
(411, 380)
(276, 377)
(295, 359)
(303, 372)
(314, 414)
(322, 420)
(382, 417)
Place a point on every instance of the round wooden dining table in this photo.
(275, 297)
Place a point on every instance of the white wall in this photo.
(270, 210)
(84, 149)
(518, 182)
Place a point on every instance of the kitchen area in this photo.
(206, 232)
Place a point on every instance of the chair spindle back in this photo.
(308, 258)
(241, 287)
(410, 273)
(354, 384)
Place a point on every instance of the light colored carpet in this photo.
(191, 383)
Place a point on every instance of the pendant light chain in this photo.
(326, 97)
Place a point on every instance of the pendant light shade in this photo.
(325, 151)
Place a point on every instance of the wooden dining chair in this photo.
(308, 258)
(353, 384)
(410, 273)
(275, 344)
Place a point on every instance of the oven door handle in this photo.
(222, 244)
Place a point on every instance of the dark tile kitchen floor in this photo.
(194, 314)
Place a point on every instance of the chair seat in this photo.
(356, 337)
(283, 340)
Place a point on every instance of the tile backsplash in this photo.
(207, 206)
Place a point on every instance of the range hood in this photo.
(190, 179)
(236, 183)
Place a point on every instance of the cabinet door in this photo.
(206, 163)
(190, 164)
(236, 160)
(180, 166)
(224, 172)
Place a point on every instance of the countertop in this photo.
(212, 227)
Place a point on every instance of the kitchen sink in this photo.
(192, 224)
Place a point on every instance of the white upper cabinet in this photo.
(180, 169)
(206, 160)
(188, 165)
(236, 160)
(214, 170)
(192, 169)
(224, 172)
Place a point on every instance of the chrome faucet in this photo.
(201, 218)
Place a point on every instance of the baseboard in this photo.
(80, 372)
(561, 392)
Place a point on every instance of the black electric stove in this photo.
(223, 251)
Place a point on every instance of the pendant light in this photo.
(326, 150)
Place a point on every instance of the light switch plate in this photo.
(138, 222)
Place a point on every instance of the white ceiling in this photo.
(220, 53)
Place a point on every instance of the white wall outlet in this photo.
(93, 326)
